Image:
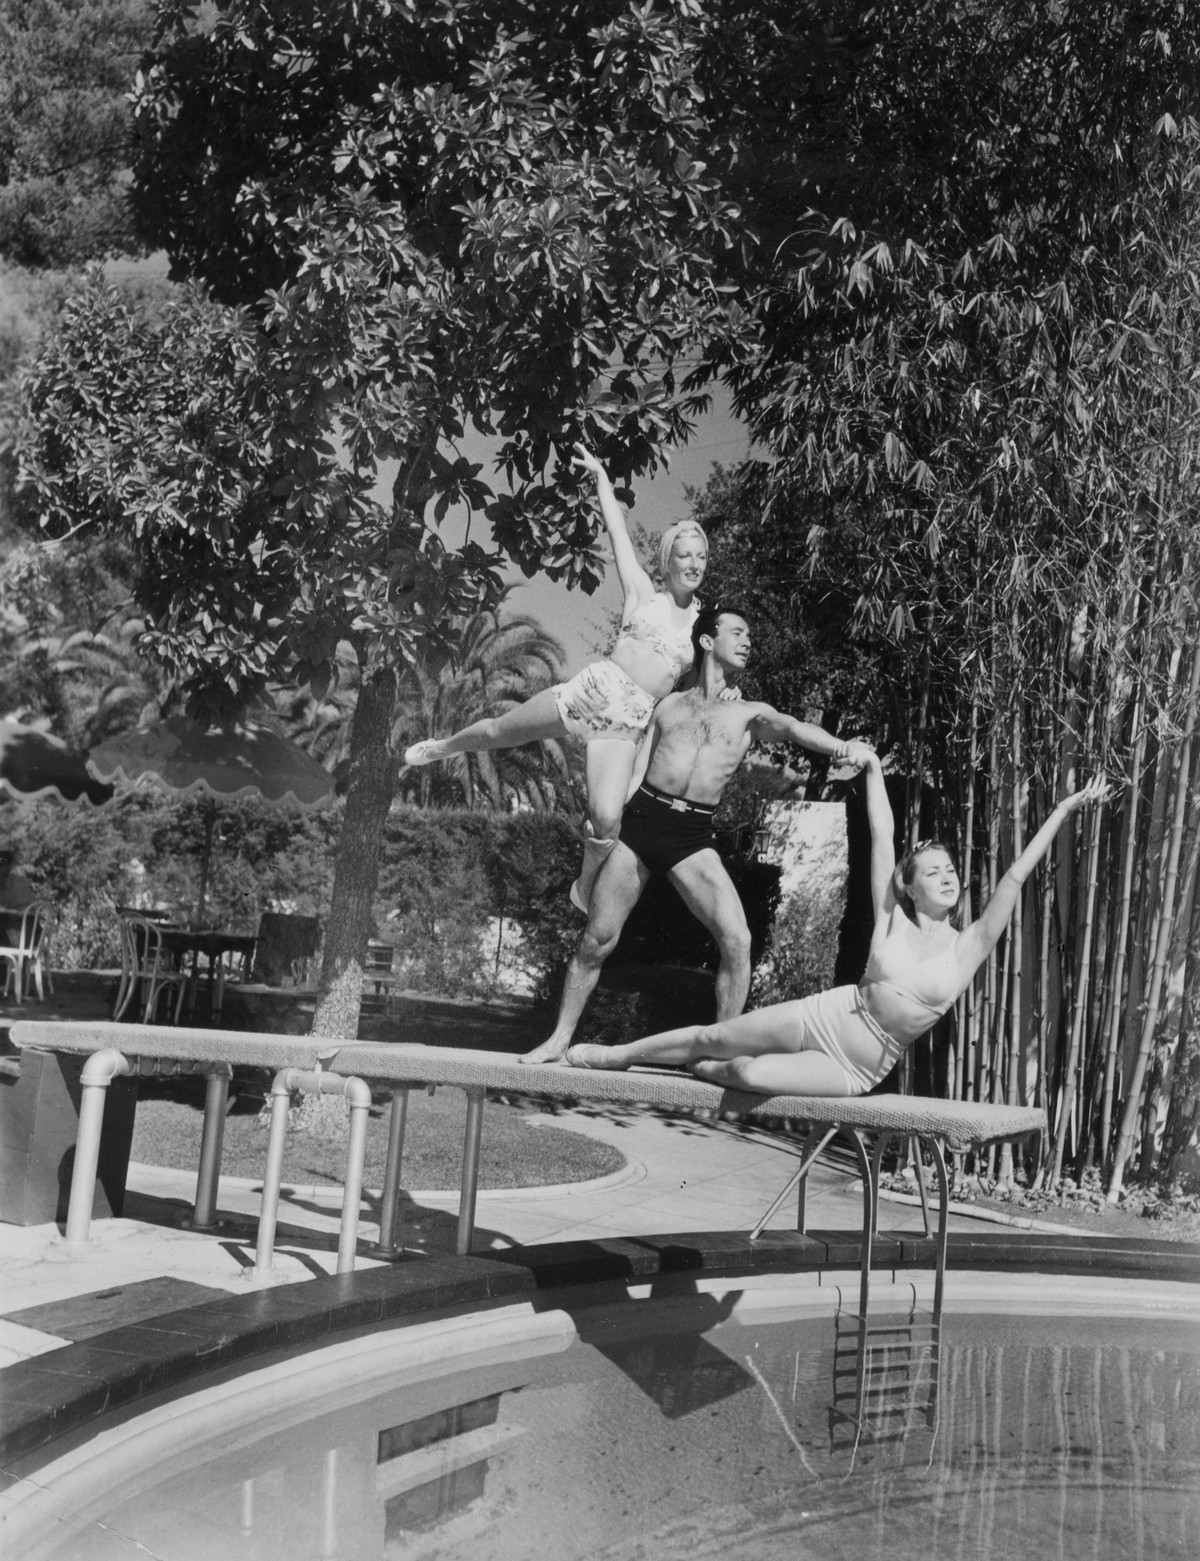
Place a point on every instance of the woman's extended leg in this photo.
(535, 719)
(608, 764)
(762, 1031)
(781, 1073)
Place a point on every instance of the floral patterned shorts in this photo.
(603, 701)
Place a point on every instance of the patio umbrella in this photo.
(240, 759)
(33, 764)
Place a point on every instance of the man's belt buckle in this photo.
(678, 804)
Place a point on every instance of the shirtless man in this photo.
(695, 742)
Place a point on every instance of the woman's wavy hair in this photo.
(906, 869)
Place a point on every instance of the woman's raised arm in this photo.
(635, 582)
(980, 938)
(883, 834)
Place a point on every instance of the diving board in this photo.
(355, 1069)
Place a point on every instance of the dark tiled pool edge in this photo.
(67, 1393)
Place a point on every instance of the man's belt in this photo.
(677, 804)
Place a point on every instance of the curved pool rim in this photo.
(58, 1401)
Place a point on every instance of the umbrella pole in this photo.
(209, 820)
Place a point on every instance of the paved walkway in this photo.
(680, 1176)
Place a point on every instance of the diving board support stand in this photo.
(358, 1097)
(472, 1139)
(212, 1141)
(869, 1168)
(387, 1247)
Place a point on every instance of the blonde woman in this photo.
(844, 1041)
(609, 704)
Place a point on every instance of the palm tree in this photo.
(68, 632)
(502, 663)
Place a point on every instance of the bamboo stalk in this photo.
(1182, 770)
(1092, 837)
(965, 1008)
(1116, 981)
(1016, 938)
(1163, 1056)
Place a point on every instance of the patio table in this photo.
(215, 945)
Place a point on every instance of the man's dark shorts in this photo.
(663, 831)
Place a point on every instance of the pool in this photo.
(734, 1416)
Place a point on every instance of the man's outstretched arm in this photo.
(770, 725)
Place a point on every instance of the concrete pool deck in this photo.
(680, 1176)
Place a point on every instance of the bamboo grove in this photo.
(1005, 478)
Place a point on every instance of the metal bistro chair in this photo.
(286, 944)
(26, 959)
(148, 969)
(379, 977)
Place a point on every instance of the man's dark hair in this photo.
(706, 623)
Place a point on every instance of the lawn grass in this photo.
(517, 1150)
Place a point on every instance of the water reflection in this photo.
(907, 1438)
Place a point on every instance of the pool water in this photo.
(690, 1426)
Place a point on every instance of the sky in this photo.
(582, 623)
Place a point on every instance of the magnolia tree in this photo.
(398, 219)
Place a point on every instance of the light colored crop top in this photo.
(929, 984)
(653, 625)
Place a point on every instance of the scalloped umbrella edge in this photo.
(242, 759)
(35, 765)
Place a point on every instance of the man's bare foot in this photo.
(595, 1057)
(552, 1051)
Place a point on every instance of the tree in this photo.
(410, 216)
(65, 71)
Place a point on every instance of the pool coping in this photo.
(63, 1397)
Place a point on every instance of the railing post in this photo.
(281, 1099)
(216, 1102)
(470, 1170)
(98, 1073)
(389, 1206)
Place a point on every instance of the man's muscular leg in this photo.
(707, 891)
(616, 891)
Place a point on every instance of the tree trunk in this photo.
(368, 798)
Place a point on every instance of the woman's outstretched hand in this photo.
(586, 461)
(1099, 789)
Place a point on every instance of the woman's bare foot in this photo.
(595, 1057)
(429, 751)
(553, 1051)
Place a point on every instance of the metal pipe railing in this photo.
(470, 1171)
(97, 1074)
(216, 1103)
(387, 1246)
(358, 1097)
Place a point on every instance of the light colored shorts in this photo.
(837, 1023)
(603, 701)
